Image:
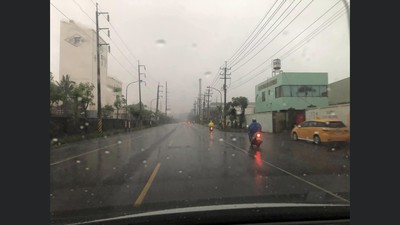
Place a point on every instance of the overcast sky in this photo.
(181, 41)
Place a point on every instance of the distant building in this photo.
(339, 92)
(292, 90)
(282, 99)
(78, 59)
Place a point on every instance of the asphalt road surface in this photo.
(182, 165)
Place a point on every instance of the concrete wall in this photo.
(265, 119)
(340, 112)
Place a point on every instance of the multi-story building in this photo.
(292, 90)
(282, 99)
(78, 59)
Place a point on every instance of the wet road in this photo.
(180, 165)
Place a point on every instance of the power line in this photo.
(304, 41)
(105, 33)
(253, 30)
(60, 11)
(274, 37)
(290, 41)
(83, 11)
(115, 30)
(262, 28)
(262, 38)
(315, 33)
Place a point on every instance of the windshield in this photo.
(151, 104)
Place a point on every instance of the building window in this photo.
(77, 40)
(323, 91)
(263, 96)
(301, 91)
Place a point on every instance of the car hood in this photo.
(236, 213)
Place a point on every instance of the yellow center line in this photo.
(146, 188)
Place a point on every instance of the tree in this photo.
(65, 86)
(107, 110)
(83, 97)
(232, 112)
(243, 102)
(119, 100)
(55, 96)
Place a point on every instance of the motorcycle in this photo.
(211, 129)
(256, 139)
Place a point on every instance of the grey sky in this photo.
(180, 41)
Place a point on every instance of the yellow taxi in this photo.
(321, 131)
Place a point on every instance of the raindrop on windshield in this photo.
(233, 139)
(144, 161)
(114, 168)
(233, 155)
(86, 190)
(221, 139)
(180, 171)
(107, 152)
(51, 195)
(304, 174)
(72, 189)
(119, 142)
(87, 168)
(344, 166)
(266, 186)
(83, 136)
(332, 149)
(105, 136)
(216, 187)
(167, 157)
(92, 194)
(82, 127)
(142, 149)
(78, 161)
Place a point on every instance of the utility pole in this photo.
(225, 69)
(99, 114)
(208, 105)
(194, 108)
(140, 93)
(166, 98)
(158, 92)
(204, 107)
(199, 102)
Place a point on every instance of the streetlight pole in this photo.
(220, 96)
(126, 97)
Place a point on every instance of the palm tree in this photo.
(119, 99)
(66, 87)
(243, 102)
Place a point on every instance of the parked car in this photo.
(321, 131)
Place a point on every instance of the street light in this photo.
(126, 96)
(220, 96)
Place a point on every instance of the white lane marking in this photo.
(64, 160)
(95, 150)
(291, 174)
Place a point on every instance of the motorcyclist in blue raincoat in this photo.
(253, 128)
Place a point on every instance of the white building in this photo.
(78, 59)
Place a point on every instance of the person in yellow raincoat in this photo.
(211, 125)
